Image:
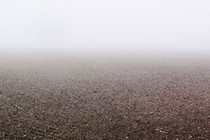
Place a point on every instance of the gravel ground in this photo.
(102, 100)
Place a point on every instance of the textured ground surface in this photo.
(64, 99)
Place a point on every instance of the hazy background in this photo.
(109, 27)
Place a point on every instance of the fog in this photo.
(112, 27)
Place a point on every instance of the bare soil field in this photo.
(68, 99)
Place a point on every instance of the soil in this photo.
(102, 100)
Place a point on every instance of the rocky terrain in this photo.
(100, 100)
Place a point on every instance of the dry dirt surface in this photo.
(104, 100)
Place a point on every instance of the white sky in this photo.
(106, 25)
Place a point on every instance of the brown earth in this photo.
(86, 99)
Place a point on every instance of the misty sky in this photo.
(106, 25)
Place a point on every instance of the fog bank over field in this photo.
(112, 28)
(104, 69)
(120, 52)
